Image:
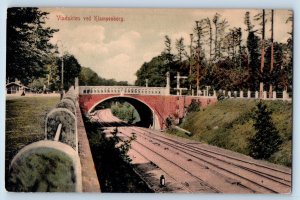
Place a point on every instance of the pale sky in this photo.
(117, 49)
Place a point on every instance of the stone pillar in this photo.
(69, 126)
(167, 92)
(193, 92)
(264, 95)
(249, 94)
(204, 93)
(285, 95)
(274, 95)
(229, 94)
(215, 93)
(178, 83)
(146, 82)
(256, 94)
(235, 94)
(241, 94)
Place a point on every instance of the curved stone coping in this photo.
(69, 126)
(67, 103)
(54, 151)
(70, 97)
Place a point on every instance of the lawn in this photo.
(25, 122)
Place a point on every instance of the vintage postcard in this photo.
(149, 100)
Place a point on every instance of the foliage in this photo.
(112, 163)
(72, 69)
(125, 111)
(28, 47)
(267, 140)
(37, 85)
(89, 77)
(194, 106)
(219, 57)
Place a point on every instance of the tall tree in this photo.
(72, 69)
(272, 53)
(200, 30)
(289, 68)
(216, 22)
(253, 54)
(27, 44)
(180, 48)
(210, 38)
(261, 17)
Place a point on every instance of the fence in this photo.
(275, 95)
(53, 164)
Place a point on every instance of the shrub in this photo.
(194, 106)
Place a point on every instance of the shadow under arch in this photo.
(148, 117)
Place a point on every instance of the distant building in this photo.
(16, 88)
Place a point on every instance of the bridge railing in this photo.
(122, 90)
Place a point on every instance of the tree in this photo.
(88, 77)
(180, 48)
(253, 54)
(72, 69)
(261, 17)
(28, 44)
(289, 68)
(200, 30)
(267, 140)
(272, 53)
(210, 38)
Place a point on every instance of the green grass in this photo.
(229, 124)
(25, 122)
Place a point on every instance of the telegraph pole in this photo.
(191, 54)
(62, 64)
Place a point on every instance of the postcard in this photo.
(149, 100)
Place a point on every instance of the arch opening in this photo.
(146, 116)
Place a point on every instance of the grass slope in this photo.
(229, 124)
(25, 122)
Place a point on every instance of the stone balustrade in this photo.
(122, 90)
(52, 164)
(162, 91)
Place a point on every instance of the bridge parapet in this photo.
(122, 90)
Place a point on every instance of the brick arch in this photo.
(162, 106)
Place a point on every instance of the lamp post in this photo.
(62, 64)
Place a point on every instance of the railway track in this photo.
(206, 165)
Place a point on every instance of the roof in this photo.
(18, 84)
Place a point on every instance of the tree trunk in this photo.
(262, 61)
(272, 54)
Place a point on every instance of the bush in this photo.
(194, 106)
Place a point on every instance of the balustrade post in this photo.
(274, 95)
(264, 94)
(256, 94)
(241, 94)
(249, 94)
(229, 94)
(215, 93)
(285, 95)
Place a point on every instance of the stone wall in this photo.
(53, 164)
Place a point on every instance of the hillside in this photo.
(229, 124)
